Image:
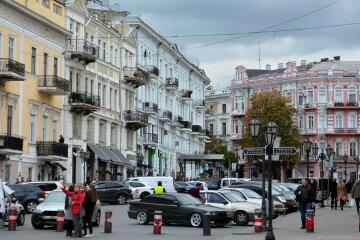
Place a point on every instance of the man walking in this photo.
(333, 193)
(303, 196)
(355, 194)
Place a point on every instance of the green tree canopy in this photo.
(218, 146)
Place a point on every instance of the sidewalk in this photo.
(329, 224)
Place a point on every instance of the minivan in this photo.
(167, 182)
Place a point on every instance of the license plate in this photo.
(49, 217)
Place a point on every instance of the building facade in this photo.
(325, 95)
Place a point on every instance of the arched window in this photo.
(339, 148)
(322, 94)
(352, 95)
(352, 147)
(338, 94)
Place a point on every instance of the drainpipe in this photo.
(157, 102)
(190, 74)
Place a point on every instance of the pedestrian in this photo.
(342, 194)
(304, 198)
(159, 188)
(68, 214)
(91, 198)
(195, 191)
(355, 194)
(61, 139)
(77, 198)
(333, 193)
(313, 187)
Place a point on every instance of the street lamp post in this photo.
(329, 153)
(307, 145)
(84, 157)
(345, 162)
(322, 157)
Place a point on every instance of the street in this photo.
(329, 225)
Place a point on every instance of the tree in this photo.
(219, 146)
(272, 106)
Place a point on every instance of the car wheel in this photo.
(30, 206)
(144, 195)
(121, 199)
(21, 219)
(97, 219)
(36, 223)
(142, 218)
(196, 220)
(241, 218)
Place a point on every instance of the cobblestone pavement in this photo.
(330, 224)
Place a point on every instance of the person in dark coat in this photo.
(89, 206)
(304, 196)
(195, 191)
(333, 193)
(68, 214)
(61, 139)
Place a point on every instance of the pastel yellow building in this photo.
(32, 89)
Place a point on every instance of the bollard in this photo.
(206, 224)
(12, 213)
(60, 221)
(310, 221)
(258, 223)
(157, 222)
(108, 222)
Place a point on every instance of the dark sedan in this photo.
(113, 192)
(27, 195)
(177, 208)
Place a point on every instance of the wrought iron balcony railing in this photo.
(49, 149)
(11, 69)
(52, 81)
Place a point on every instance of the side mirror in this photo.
(177, 203)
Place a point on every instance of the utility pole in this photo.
(259, 54)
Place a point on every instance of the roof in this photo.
(251, 73)
(336, 66)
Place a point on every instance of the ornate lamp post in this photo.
(345, 162)
(322, 157)
(357, 168)
(84, 157)
(307, 145)
(270, 136)
(329, 153)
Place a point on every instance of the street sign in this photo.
(254, 151)
(285, 150)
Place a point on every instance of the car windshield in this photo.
(185, 199)
(250, 193)
(233, 197)
(56, 197)
(182, 184)
(285, 188)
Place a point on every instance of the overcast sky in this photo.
(183, 17)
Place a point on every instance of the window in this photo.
(224, 108)
(116, 57)
(311, 122)
(1, 44)
(339, 149)
(10, 113)
(352, 148)
(111, 98)
(338, 95)
(301, 99)
(30, 173)
(113, 136)
(92, 86)
(46, 56)
(212, 128)
(57, 9)
(236, 103)
(11, 48)
(322, 96)
(33, 60)
(130, 137)
(55, 66)
(352, 95)
(54, 131)
(102, 132)
(223, 128)
(32, 128)
(236, 128)
(100, 186)
(215, 198)
(322, 121)
(104, 51)
(310, 97)
(352, 120)
(104, 96)
(46, 3)
(301, 122)
(44, 128)
(111, 54)
(338, 121)
(115, 99)
(77, 82)
(322, 147)
(7, 173)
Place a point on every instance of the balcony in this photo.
(54, 85)
(186, 94)
(84, 103)
(177, 121)
(52, 151)
(152, 71)
(344, 106)
(135, 120)
(308, 132)
(165, 116)
(11, 70)
(209, 112)
(309, 106)
(10, 145)
(199, 103)
(150, 108)
(235, 136)
(151, 139)
(186, 126)
(83, 50)
(172, 84)
(136, 76)
(237, 113)
(196, 129)
(346, 131)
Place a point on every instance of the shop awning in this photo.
(205, 157)
(121, 157)
(114, 159)
(98, 152)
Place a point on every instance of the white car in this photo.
(140, 190)
(167, 182)
(243, 211)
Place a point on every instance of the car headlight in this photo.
(281, 199)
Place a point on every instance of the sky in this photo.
(189, 17)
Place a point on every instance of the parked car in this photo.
(186, 185)
(167, 182)
(203, 185)
(243, 211)
(226, 182)
(253, 197)
(46, 186)
(27, 195)
(177, 208)
(180, 188)
(11, 201)
(45, 213)
(140, 189)
(213, 183)
(113, 192)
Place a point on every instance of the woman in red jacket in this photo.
(77, 198)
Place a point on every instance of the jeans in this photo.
(77, 226)
(357, 200)
(333, 201)
(342, 203)
(88, 220)
(69, 227)
(303, 207)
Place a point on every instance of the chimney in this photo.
(268, 67)
(303, 62)
(337, 58)
(280, 66)
(324, 60)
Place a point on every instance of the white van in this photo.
(226, 182)
(167, 182)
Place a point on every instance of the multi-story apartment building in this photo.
(32, 84)
(173, 100)
(326, 97)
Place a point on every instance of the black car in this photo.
(177, 208)
(27, 195)
(212, 183)
(113, 192)
(288, 202)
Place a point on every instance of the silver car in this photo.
(45, 213)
